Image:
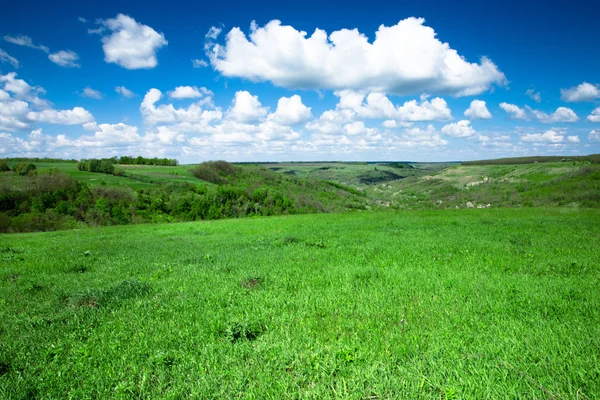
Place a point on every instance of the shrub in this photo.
(4, 166)
(25, 168)
(215, 171)
(104, 165)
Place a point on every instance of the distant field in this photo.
(356, 174)
(572, 184)
(136, 176)
(495, 303)
(591, 158)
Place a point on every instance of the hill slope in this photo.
(464, 303)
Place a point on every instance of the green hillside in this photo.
(495, 303)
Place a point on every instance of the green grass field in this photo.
(465, 304)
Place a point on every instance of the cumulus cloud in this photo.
(13, 113)
(389, 123)
(478, 110)
(595, 115)
(594, 136)
(514, 111)
(189, 92)
(537, 97)
(26, 41)
(16, 98)
(562, 114)
(583, 92)
(434, 110)
(422, 138)
(378, 105)
(550, 136)
(91, 93)
(5, 57)
(167, 113)
(123, 91)
(290, 111)
(76, 116)
(130, 44)
(355, 128)
(406, 58)
(65, 58)
(459, 129)
(331, 121)
(246, 108)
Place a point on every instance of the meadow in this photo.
(450, 304)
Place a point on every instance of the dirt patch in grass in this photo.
(252, 283)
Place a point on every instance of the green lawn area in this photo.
(491, 303)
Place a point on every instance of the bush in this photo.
(4, 166)
(104, 165)
(25, 168)
(215, 171)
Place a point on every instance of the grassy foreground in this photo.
(493, 303)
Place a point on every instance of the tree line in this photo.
(49, 200)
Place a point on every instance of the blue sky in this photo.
(422, 81)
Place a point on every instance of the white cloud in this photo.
(434, 110)
(189, 92)
(355, 128)
(97, 31)
(459, 129)
(16, 98)
(246, 108)
(5, 57)
(76, 116)
(478, 110)
(422, 138)
(91, 93)
(389, 123)
(22, 90)
(213, 32)
(331, 121)
(290, 111)
(550, 136)
(64, 58)
(573, 139)
(26, 41)
(131, 45)
(514, 111)
(82, 20)
(13, 113)
(197, 63)
(406, 58)
(537, 97)
(583, 92)
(4, 96)
(167, 113)
(379, 106)
(594, 136)
(108, 134)
(123, 91)
(562, 114)
(595, 115)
